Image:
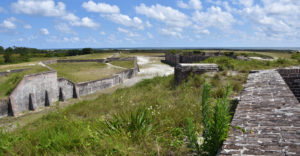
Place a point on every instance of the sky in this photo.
(149, 23)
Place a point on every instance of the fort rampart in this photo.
(40, 90)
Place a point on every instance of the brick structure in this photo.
(182, 70)
(292, 79)
(191, 57)
(267, 119)
(40, 90)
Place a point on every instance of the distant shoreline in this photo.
(197, 48)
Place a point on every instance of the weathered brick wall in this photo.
(172, 59)
(12, 71)
(266, 120)
(34, 91)
(98, 85)
(67, 89)
(192, 58)
(292, 79)
(49, 62)
(182, 71)
(3, 108)
(90, 60)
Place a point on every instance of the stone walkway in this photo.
(267, 119)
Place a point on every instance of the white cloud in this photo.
(127, 32)
(39, 7)
(246, 3)
(164, 14)
(9, 23)
(214, 17)
(44, 31)
(174, 32)
(148, 24)
(49, 8)
(85, 22)
(27, 26)
(91, 6)
(149, 35)
(64, 28)
(62, 39)
(102, 33)
(274, 18)
(2, 10)
(201, 30)
(195, 4)
(125, 20)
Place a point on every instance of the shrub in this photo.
(218, 93)
(215, 120)
(136, 124)
(192, 137)
(236, 86)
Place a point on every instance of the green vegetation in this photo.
(216, 120)
(149, 117)
(296, 56)
(124, 64)
(227, 63)
(84, 71)
(252, 54)
(9, 81)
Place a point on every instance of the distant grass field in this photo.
(84, 71)
(90, 56)
(9, 81)
(140, 54)
(227, 63)
(124, 64)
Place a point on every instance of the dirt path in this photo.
(149, 68)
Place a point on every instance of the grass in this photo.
(148, 118)
(90, 56)
(84, 71)
(151, 118)
(226, 63)
(124, 64)
(9, 81)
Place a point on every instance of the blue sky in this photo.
(149, 23)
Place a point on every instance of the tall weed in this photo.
(216, 120)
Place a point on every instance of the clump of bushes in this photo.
(215, 119)
(135, 124)
(296, 56)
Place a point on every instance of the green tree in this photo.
(1, 50)
(8, 55)
(87, 51)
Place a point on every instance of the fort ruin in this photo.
(36, 91)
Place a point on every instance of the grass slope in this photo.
(148, 118)
(124, 64)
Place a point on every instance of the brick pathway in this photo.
(267, 119)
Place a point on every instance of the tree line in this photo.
(24, 54)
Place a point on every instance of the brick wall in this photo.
(182, 71)
(292, 79)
